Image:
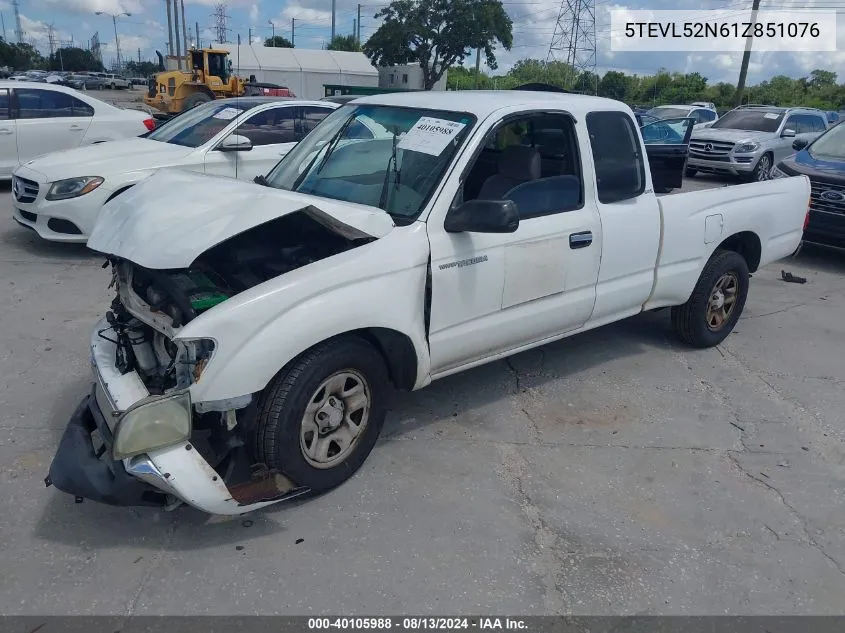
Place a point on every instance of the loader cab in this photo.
(217, 66)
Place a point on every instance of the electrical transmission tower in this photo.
(220, 18)
(51, 38)
(574, 39)
(18, 28)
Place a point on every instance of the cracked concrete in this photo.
(616, 472)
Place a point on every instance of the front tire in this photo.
(717, 301)
(763, 169)
(690, 172)
(321, 416)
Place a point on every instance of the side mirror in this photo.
(235, 143)
(799, 144)
(483, 216)
(787, 133)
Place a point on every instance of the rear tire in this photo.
(717, 301)
(321, 416)
(196, 99)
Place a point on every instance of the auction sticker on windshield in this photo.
(770, 115)
(227, 114)
(430, 135)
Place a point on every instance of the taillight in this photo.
(150, 124)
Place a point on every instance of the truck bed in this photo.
(767, 214)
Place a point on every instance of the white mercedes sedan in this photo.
(60, 195)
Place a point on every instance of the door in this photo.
(667, 145)
(806, 127)
(630, 216)
(8, 137)
(272, 132)
(47, 121)
(492, 293)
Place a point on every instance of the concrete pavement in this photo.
(614, 472)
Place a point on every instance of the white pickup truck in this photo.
(256, 330)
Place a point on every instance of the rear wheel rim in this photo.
(335, 419)
(722, 301)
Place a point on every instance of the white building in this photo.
(406, 77)
(303, 71)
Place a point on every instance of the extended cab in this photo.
(255, 331)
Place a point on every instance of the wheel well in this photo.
(398, 353)
(747, 244)
(118, 192)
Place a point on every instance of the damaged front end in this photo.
(139, 438)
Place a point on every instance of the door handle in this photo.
(75, 128)
(6, 130)
(581, 240)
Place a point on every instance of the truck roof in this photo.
(482, 103)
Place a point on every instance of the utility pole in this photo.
(3, 20)
(477, 66)
(197, 27)
(292, 31)
(169, 29)
(184, 33)
(354, 27)
(116, 37)
(249, 38)
(176, 33)
(51, 39)
(334, 11)
(746, 57)
(139, 56)
(358, 28)
(274, 32)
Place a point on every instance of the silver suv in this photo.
(748, 140)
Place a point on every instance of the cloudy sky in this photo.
(534, 24)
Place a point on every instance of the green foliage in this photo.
(438, 34)
(278, 41)
(344, 43)
(73, 59)
(143, 69)
(818, 90)
(20, 56)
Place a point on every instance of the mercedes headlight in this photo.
(744, 148)
(777, 173)
(148, 426)
(73, 187)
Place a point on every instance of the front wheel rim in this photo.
(764, 169)
(722, 301)
(335, 419)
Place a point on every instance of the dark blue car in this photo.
(823, 161)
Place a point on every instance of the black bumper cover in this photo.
(77, 470)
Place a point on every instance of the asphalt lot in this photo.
(615, 472)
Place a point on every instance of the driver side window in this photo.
(532, 161)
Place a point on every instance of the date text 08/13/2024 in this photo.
(415, 623)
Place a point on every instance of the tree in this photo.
(20, 56)
(277, 41)
(74, 59)
(438, 34)
(344, 43)
(142, 69)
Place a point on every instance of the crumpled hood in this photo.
(731, 136)
(105, 159)
(171, 218)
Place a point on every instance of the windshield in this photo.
(668, 113)
(382, 156)
(198, 126)
(751, 120)
(830, 145)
